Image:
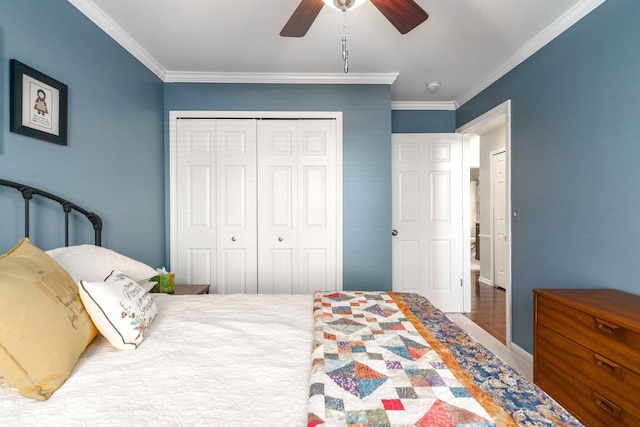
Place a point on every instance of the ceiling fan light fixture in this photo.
(343, 5)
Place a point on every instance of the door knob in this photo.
(394, 232)
(233, 239)
(280, 239)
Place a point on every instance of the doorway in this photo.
(487, 262)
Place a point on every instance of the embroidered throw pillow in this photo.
(44, 327)
(120, 308)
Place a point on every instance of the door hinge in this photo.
(461, 283)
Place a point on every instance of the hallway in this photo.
(488, 308)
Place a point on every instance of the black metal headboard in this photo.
(28, 193)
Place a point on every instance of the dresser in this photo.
(586, 353)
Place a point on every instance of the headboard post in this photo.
(27, 195)
(66, 207)
(97, 226)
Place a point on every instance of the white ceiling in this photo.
(465, 44)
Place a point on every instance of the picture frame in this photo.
(38, 104)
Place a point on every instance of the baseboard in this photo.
(522, 352)
(484, 281)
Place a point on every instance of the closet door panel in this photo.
(277, 206)
(314, 267)
(276, 266)
(195, 180)
(282, 273)
(317, 211)
(280, 201)
(233, 271)
(236, 206)
(199, 266)
(314, 206)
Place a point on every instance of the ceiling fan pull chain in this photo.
(345, 54)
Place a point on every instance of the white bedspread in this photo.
(207, 360)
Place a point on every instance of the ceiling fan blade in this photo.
(302, 18)
(405, 15)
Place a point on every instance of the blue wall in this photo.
(113, 163)
(575, 159)
(366, 158)
(423, 121)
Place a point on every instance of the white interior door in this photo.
(499, 226)
(236, 206)
(427, 217)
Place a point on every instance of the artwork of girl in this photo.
(41, 105)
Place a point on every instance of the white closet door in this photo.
(195, 198)
(236, 206)
(277, 206)
(257, 205)
(297, 208)
(317, 206)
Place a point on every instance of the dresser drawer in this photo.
(590, 407)
(612, 380)
(603, 337)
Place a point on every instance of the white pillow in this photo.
(119, 307)
(93, 263)
(147, 284)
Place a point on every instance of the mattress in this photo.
(253, 370)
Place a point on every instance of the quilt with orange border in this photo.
(375, 364)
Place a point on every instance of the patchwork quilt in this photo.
(375, 364)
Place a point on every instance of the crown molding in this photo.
(445, 105)
(91, 11)
(572, 16)
(95, 14)
(282, 78)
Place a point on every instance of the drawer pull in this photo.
(608, 365)
(606, 405)
(606, 327)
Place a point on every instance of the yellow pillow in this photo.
(44, 327)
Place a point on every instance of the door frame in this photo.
(172, 208)
(500, 113)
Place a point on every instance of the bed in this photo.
(328, 359)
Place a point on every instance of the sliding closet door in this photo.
(195, 237)
(236, 207)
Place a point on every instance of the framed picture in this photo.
(38, 104)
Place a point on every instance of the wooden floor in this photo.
(488, 308)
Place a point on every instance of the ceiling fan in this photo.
(405, 15)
